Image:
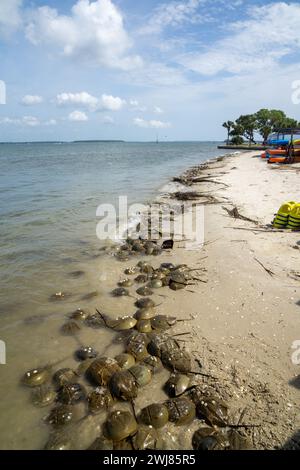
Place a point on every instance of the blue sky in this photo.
(122, 69)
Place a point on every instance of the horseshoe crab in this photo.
(71, 327)
(58, 296)
(141, 279)
(120, 425)
(64, 376)
(101, 370)
(177, 360)
(141, 374)
(149, 247)
(132, 270)
(152, 362)
(120, 292)
(43, 396)
(177, 285)
(209, 407)
(58, 442)
(147, 269)
(86, 352)
(36, 377)
(138, 246)
(160, 344)
(145, 303)
(123, 385)
(156, 415)
(101, 443)
(125, 283)
(120, 324)
(144, 313)
(168, 266)
(136, 346)
(155, 284)
(144, 291)
(146, 437)
(69, 394)
(60, 416)
(207, 438)
(122, 255)
(144, 326)
(177, 384)
(99, 399)
(83, 367)
(94, 320)
(125, 360)
(79, 315)
(181, 411)
(163, 322)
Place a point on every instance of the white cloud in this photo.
(30, 100)
(174, 13)
(78, 116)
(151, 124)
(10, 16)
(105, 102)
(83, 98)
(93, 32)
(111, 103)
(135, 105)
(253, 44)
(158, 110)
(30, 121)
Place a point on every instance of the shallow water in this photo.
(49, 196)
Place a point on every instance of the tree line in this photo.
(264, 122)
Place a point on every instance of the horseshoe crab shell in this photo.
(120, 425)
(122, 323)
(69, 394)
(125, 360)
(123, 386)
(156, 415)
(64, 376)
(125, 283)
(144, 326)
(145, 303)
(162, 322)
(181, 411)
(142, 374)
(60, 416)
(146, 438)
(120, 292)
(177, 360)
(177, 384)
(144, 313)
(101, 370)
(79, 315)
(43, 396)
(99, 399)
(144, 290)
(36, 377)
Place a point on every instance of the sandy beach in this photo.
(245, 318)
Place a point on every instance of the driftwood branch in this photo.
(266, 269)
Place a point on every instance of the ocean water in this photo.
(49, 196)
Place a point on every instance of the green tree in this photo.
(229, 126)
(248, 125)
(271, 120)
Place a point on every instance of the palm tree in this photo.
(228, 125)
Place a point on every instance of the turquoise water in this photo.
(49, 196)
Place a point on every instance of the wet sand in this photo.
(243, 320)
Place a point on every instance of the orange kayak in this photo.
(276, 152)
(277, 160)
(263, 155)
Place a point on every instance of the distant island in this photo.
(95, 141)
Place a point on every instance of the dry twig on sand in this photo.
(236, 215)
(266, 269)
